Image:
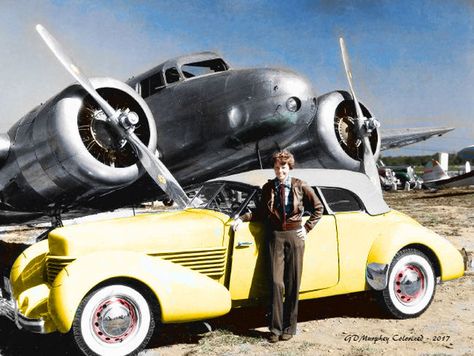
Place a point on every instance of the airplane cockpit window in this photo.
(197, 69)
(171, 75)
(341, 200)
(151, 85)
(223, 197)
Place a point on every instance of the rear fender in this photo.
(385, 247)
(182, 294)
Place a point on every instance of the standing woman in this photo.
(282, 205)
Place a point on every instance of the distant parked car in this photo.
(388, 180)
(406, 174)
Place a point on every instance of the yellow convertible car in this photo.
(108, 282)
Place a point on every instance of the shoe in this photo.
(273, 338)
(286, 337)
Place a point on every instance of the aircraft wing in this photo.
(395, 138)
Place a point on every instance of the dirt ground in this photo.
(347, 325)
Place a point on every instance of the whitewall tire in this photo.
(113, 320)
(411, 284)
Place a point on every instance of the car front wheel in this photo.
(113, 320)
(411, 284)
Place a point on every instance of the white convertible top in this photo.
(355, 182)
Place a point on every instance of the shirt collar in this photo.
(286, 182)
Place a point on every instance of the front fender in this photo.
(28, 269)
(183, 294)
(386, 246)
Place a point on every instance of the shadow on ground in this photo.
(445, 194)
(240, 321)
(243, 321)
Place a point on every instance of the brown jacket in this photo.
(302, 193)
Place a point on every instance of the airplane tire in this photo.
(113, 320)
(168, 202)
(411, 285)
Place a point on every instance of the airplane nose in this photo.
(293, 97)
(268, 101)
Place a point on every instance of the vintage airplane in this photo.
(90, 144)
(434, 176)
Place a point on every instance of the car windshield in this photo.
(227, 198)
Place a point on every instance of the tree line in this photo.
(418, 161)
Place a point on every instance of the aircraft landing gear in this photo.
(168, 202)
(56, 221)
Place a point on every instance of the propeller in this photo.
(365, 126)
(124, 122)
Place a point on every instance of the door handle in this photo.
(242, 244)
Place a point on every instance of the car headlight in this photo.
(293, 104)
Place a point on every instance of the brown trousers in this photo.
(286, 261)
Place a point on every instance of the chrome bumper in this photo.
(377, 275)
(9, 309)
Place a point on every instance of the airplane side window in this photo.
(341, 200)
(156, 83)
(145, 87)
(196, 69)
(172, 75)
(151, 85)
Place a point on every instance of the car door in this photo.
(320, 262)
(356, 232)
(248, 278)
(250, 274)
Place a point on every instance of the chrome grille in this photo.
(54, 265)
(209, 261)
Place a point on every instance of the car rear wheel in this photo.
(113, 320)
(411, 284)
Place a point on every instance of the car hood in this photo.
(148, 233)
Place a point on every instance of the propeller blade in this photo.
(347, 67)
(124, 122)
(74, 70)
(368, 165)
(158, 172)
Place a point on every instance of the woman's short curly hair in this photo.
(283, 157)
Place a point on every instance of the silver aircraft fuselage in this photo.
(205, 118)
(223, 121)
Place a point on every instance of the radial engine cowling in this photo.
(64, 149)
(334, 132)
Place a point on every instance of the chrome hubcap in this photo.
(114, 320)
(410, 284)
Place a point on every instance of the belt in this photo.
(288, 226)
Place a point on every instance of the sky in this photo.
(412, 61)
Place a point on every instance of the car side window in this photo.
(307, 206)
(341, 200)
(253, 202)
(227, 198)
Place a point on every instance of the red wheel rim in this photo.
(114, 320)
(410, 284)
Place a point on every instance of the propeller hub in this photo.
(128, 119)
(103, 132)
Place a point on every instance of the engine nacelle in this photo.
(64, 150)
(333, 132)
